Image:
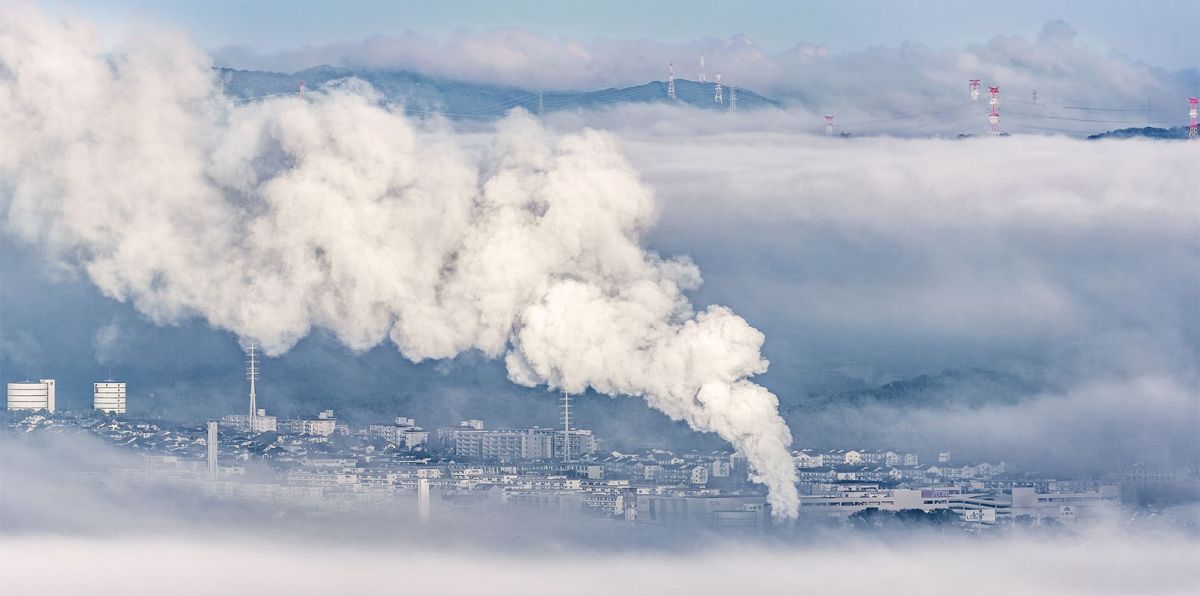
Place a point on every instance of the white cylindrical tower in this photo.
(212, 450)
(423, 500)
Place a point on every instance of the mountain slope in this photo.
(462, 100)
(1177, 132)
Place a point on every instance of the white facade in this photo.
(31, 396)
(264, 423)
(319, 427)
(423, 500)
(405, 435)
(1104, 501)
(213, 450)
(261, 423)
(109, 397)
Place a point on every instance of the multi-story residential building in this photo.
(403, 433)
(719, 468)
(323, 425)
(261, 423)
(29, 395)
(109, 397)
(466, 440)
(805, 458)
(582, 443)
(681, 473)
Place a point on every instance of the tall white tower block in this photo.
(29, 395)
(109, 397)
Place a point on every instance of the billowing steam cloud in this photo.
(273, 219)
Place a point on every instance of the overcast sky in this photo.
(1163, 33)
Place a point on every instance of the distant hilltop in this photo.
(1150, 132)
(421, 94)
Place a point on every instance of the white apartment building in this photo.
(29, 395)
(109, 397)
(466, 440)
(323, 425)
(261, 423)
(404, 433)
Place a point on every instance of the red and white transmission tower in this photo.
(974, 89)
(717, 96)
(301, 89)
(994, 111)
(1193, 111)
(671, 80)
(703, 77)
(829, 125)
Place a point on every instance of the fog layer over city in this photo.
(187, 544)
(1110, 565)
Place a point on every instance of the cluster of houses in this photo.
(469, 466)
(875, 465)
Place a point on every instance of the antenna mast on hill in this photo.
(566, 407)
(974, 89)
(671, 80)
(829, 125)
(302, 89)
(252, 376)
(717, 97)
(732, 98)
(994, 111)
(703, 77)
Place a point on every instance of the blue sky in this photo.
(1164, 33)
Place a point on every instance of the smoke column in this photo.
(274, 218)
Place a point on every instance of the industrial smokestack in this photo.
(423, 500)
(213, 450)
(279, 217)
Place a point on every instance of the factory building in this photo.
(29, 395)
(748, 513)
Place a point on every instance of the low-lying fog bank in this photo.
(1115, 564)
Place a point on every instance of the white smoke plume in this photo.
(277, 218)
